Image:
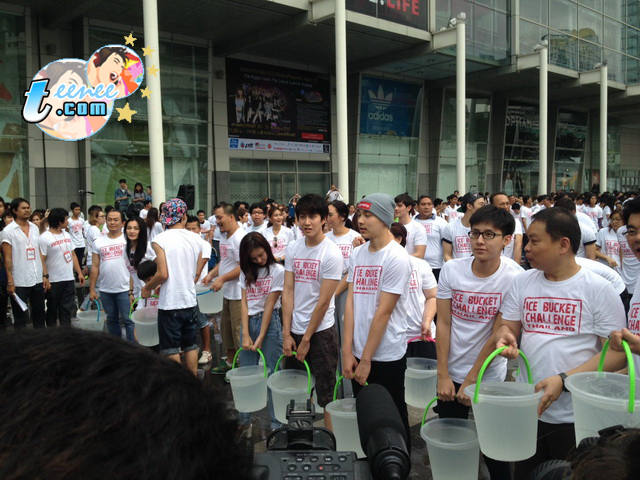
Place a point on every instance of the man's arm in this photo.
(430, 309)
(349, 362)
(590, 251)
(420, 250)
(288, 344)
(162, 273)
(93, 279)
(227, 277)
(386, 303)
(201, 263)
(446, 389)
(77, 269)
(45, 281)
(342, 286)
(327, 290)
(8, 264)
(212, 274)
(447, 251)
(517, 248)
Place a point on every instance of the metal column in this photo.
(544, 120)
(604, 102)
(341, 98)
(461, 113)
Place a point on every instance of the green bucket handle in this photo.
(338, 382)
(305, 364)
(424, 416)
(136, 301)
(632, 373)
(488, 361)
(97, 305)
(264, 362)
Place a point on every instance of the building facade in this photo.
(248, 98)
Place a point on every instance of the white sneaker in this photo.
(205, 358)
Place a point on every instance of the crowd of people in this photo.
(329, 283)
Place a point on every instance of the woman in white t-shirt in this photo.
(138, 250)
(277, 234)
(421, 302)
(607, 244)
(153, 224)
(262, 282)
(593, 210)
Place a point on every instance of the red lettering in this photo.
(415, 7)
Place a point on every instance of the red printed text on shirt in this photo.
(366, 279)
(552, 316)
(306, 270)
(480, 307)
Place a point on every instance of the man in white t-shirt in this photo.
(226, 274)
(416, 236)
(451, 210)
(587, 247)
(513, 250)
(313, 269)
(206, 232)
(23, 265)
(526, 211)
(456, 243)
(146, 206)
(75, 227)
(333, 194)
(375, 324)
(179, 260)
(564, 313)
(434, 229)
(110, 274)
(470, 293)
(258, 212)
(59, 261)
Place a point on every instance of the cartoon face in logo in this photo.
(68, 123)
(117, 65)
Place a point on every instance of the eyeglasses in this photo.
(632, 233)
(488, 235)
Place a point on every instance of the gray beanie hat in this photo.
(381, 205)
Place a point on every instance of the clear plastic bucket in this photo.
(208, 300)
(345, 423)
(92, 320)
(249, 388)
(506, 416)
(420, 381)
(453, 448)
(287, 385)
(146, 324)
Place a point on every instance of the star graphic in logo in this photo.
(126, 113)
(146, 92)
(130, 39)
(147, 51)
(380, 101)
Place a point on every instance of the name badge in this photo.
(31, 253)
(67, 256)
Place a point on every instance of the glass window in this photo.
(531, 35)
(590, 55)
(614, 8)
(314, 183)
(614, 35)
(536, 11)
(633, 13)
(247, 165)
(633, 42)
(633, 71)
(615, 62)
(282, 166)
(304, 166)
(563, 50)
(589, 25)
(595, 4)
(563, 15)
(248, 187)
(521, 161)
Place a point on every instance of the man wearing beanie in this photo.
(179, 260)
(375, 346)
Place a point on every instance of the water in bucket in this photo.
(88, 320)
(345, 425)
(208, 300)
(506, 417)
(453, 449)
(146, 323)
(287, 385)
(249, 387)
(601, 400)
(420, 381)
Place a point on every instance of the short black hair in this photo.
(495, 195)
(498, 218)
(405, 199)
(565, 203)
(147, 269)
(122, 180)
(260, 205)
(192, 218)
(74, 205)
(311, 204)
(15, 203)
(437, 202)
(630, 208)
(201, 211)
(107, 209)
(119, 211)
(560, 223)
(226, 208)
(109, 409)
(94, 208)
(147, 202)
(422, 197)
(56, 217)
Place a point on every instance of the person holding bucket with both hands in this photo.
(562, 314)
(470, 292)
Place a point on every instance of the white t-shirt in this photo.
(458, 236)
(229, 260)
(150, 254)
(630, 268)
(260, 229)
(58, 249)
(297, 232)
(633, 322)
(526, 213)
(258, 292)
(285, 237)
(416, 236)
(421, 279)
(434, 230)
(609, 274)
(310, 266)
(607, 240)
(345, 244)
(586, 221)
(606, 213)
(204, 229)
(508, 250)
(27, 264)
(587, 237)
(387, 270)
(153, 231)
(114, 276)
(143, 213)
(452, 213)
(75, 230)
(182, 249)
(475, 302)
(561, 323)
(206, 253)
(93, 233)
(594, 213)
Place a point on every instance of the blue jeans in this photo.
(116, 306)
(271, 349)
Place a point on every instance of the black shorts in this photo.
(323, 362)
(177, 330)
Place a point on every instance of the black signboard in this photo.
(412, 13)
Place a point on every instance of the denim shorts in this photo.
(177, 330)
(203, 321)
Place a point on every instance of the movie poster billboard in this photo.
(277, 109)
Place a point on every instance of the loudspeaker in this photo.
(188, 194)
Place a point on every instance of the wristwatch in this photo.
(45, 276)
(563, 376)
